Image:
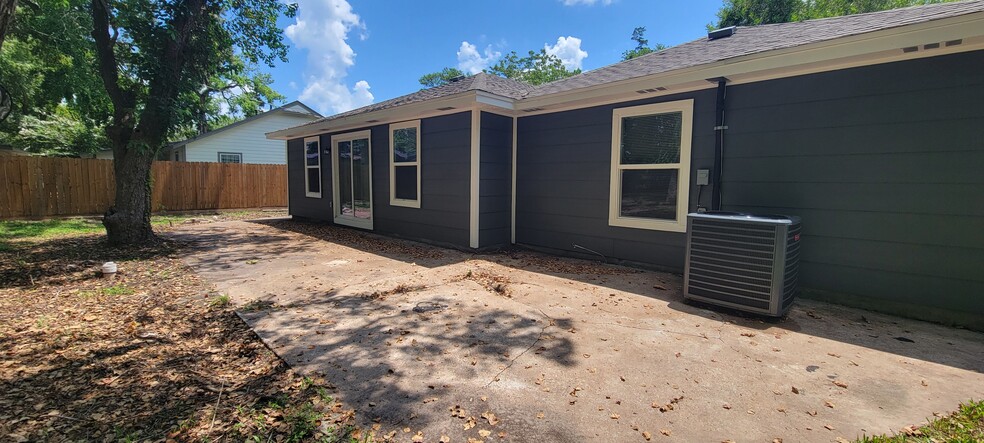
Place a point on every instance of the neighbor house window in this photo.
(405, 164)
(226, 157)
(312, 167)
(651, 166)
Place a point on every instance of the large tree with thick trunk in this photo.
(153, 56)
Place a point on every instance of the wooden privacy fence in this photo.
(35, 187)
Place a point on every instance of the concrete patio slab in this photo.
(520, 346)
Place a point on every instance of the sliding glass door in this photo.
(352, 173)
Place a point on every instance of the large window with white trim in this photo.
(312, 167)
(651, 166)
(405, 164)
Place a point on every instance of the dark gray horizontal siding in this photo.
(495, 184)
(445, 144)
(563, 175)
(883, 164)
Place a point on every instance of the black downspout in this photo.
(719, 128)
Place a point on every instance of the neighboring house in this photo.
(243, 141)
(870, 127)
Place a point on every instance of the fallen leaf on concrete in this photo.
(484, 432)
(748, 334)
(924, 383)
(842, 440)
(777, 440)
(813, 413)
(539, 415)
(665, 432)
(840, 384)
(614, 416)
(829, 428)
(469, 423)
(795, 390)
(418, 437)
(828, 404)
(445, 439)
(488, 415)
(647, 436)
(484, 398)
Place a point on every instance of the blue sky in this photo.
(346, 54)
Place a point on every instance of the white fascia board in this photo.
(859, 50)
(493, 100)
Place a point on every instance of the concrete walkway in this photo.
(529, 347)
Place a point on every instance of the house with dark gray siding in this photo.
(869, 127)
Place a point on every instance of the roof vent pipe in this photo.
(722, 33)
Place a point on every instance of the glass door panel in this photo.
(360, 179)
(353, 179)
(345, 178)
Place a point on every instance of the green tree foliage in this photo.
(154, 57)
(758, 12)
(61, 133)
(642, 45)
(536, 68)
(439, 78)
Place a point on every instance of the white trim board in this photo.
(476, 166)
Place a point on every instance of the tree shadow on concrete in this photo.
(402, 363)
(911, 338)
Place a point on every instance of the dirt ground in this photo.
(427, 343)
(154, 354)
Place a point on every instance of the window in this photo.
(651, 166)
(405, 164)
(177, 156)
(227, 157)
(312, 167)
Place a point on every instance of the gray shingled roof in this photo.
(746, 40)
(755, 39)
(479, 82)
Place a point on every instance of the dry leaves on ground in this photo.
(151, 355)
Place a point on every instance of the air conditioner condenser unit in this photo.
(743, 261)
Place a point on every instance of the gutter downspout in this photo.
(719, 127)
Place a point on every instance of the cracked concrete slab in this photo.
(429, 339)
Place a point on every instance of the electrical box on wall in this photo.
(703, 177)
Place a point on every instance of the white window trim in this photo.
(392, 165)
(686, 107)
(230, 153)
(307, 185)
(363, 223)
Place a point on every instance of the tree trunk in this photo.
(128, 220)
(7, 8)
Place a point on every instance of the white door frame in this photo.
(348, 220)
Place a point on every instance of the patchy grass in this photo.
(966, 424)
(13, 231)
(153, 355)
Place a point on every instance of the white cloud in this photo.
(322, 27)
(586, 2)
(471, 61)
(568, 50)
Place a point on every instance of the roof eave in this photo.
(451, 104)
(868, 48)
